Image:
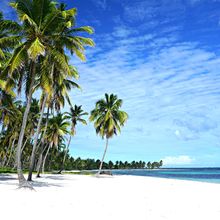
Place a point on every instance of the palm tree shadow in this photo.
(6, 177)
(43, 183)
(56, 177)
(38, 184)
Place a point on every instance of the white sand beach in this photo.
(118, 197)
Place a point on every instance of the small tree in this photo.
(108, 119)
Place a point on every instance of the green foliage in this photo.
(155, 164)
(76, 113)
(57, 128)
(107, 117)
(36, 49)
(7, 170)
(91, 164)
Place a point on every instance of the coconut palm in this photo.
(56, 84)
(12, 122)
(37, 22)
(56, 130)
(75, 115)
(61, 88)
(108, 119)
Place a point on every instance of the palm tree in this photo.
(12, 122)
(56, 84)
(37, 24)
(76, 113)
(108, 119)
(56, 130)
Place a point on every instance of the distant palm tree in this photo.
(75, 115)
(108, 119)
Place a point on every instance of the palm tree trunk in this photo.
(12, 149)
(40, 160)
(2, 153)
(64, 158)
(22, 181)
(45, 157)
(24, 145)
(31, 168)
(39, 164)
(22, 149)
(103, 157)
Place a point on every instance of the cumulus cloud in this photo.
(178, 160)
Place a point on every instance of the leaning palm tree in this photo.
(108, 119)
(75, 115)
(37, 19)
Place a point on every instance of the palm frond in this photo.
(36, 49)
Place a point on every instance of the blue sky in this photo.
(162, 57)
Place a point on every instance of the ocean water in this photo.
(211, 175)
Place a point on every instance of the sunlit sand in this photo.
(117, 197)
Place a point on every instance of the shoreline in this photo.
(93, 173)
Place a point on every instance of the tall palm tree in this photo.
(108, 119)
(75, 115)
(56, 84)
(37, 24)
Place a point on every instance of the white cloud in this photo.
(159, 84)
(179, 160)
(101, 3)
(186, 135)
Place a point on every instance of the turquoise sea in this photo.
(211, 175)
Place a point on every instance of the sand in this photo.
(118, 197)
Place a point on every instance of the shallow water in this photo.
(211, 175)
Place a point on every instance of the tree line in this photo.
(92, 164)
